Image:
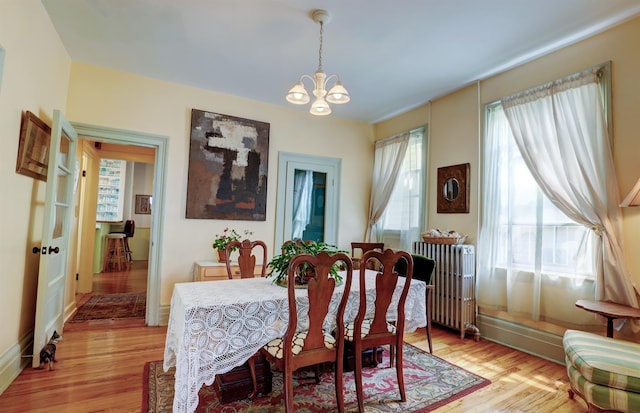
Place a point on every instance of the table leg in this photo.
(610, 326)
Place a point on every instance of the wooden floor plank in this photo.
(100, 368)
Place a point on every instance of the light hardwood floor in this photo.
(100, 367)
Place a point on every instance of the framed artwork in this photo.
(228, 163)
(33, 148)
(143, 204)
(453, 189)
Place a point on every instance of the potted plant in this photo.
(221, 241)
(279, 265)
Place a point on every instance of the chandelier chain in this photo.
(320, 49)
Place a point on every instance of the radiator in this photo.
(454, 298)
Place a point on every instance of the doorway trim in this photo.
(161, 145)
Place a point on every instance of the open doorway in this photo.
(138, 148)
(114, 230)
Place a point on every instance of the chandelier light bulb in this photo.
(298, 95)
(338, 94)
(320, 107)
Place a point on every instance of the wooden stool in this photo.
(115, 252)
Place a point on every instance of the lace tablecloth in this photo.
(215, 326)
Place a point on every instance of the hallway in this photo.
(131, 280)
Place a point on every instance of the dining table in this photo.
(215, 326)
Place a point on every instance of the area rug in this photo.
(112, 306)
(430, 382)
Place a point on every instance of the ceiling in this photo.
(390, 58)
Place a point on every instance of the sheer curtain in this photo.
(561, 134)
(533, 261)
(401, 222)
(388, 158)
(302, 190)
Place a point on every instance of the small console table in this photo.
(611, 311)
(211, 271)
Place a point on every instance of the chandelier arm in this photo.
(313, 82)
(326, 81)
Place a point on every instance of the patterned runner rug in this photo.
(112, 306)
(430, 382)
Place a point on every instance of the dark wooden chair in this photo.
(314, 346)
(246, 257)
(373, 330)
(422, 270)
(363, 247)
(247, 265)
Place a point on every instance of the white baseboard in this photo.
(12, 363)
(163, 316)
(536, 342)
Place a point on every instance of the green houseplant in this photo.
(279, 265)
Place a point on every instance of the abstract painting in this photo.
(228, 163)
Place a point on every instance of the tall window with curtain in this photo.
(402, 219)
(550, 222)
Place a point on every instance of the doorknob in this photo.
(36, 250)
(54, 250)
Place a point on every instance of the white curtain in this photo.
(561, 132)
(401, 221)
(302, 191)
(388, 158)
(533, 261)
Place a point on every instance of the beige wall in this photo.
(121, 100)
(35, 78)
(454, 122)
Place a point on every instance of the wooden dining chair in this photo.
(422, 270)
(247, 266)
(373, 330)
(315, 345)
(246, 257)
(363, 247)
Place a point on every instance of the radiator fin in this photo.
(454, 297)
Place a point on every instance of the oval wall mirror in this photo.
(451, 189)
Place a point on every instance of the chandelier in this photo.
(337, 94)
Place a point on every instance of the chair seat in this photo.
(276, 346)
(604, 361)
(349, 329)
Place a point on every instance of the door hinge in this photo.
(77, 276)
(84, 174)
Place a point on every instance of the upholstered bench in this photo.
(604, 371)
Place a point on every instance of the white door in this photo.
(328, 172)
(55, 234)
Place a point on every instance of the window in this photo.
(403, 216)
(111, 182)
(533, 234)
(538, 255)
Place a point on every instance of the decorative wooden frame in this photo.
(143, 204)
(460, 202)
(33, 148)
(228, 165)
